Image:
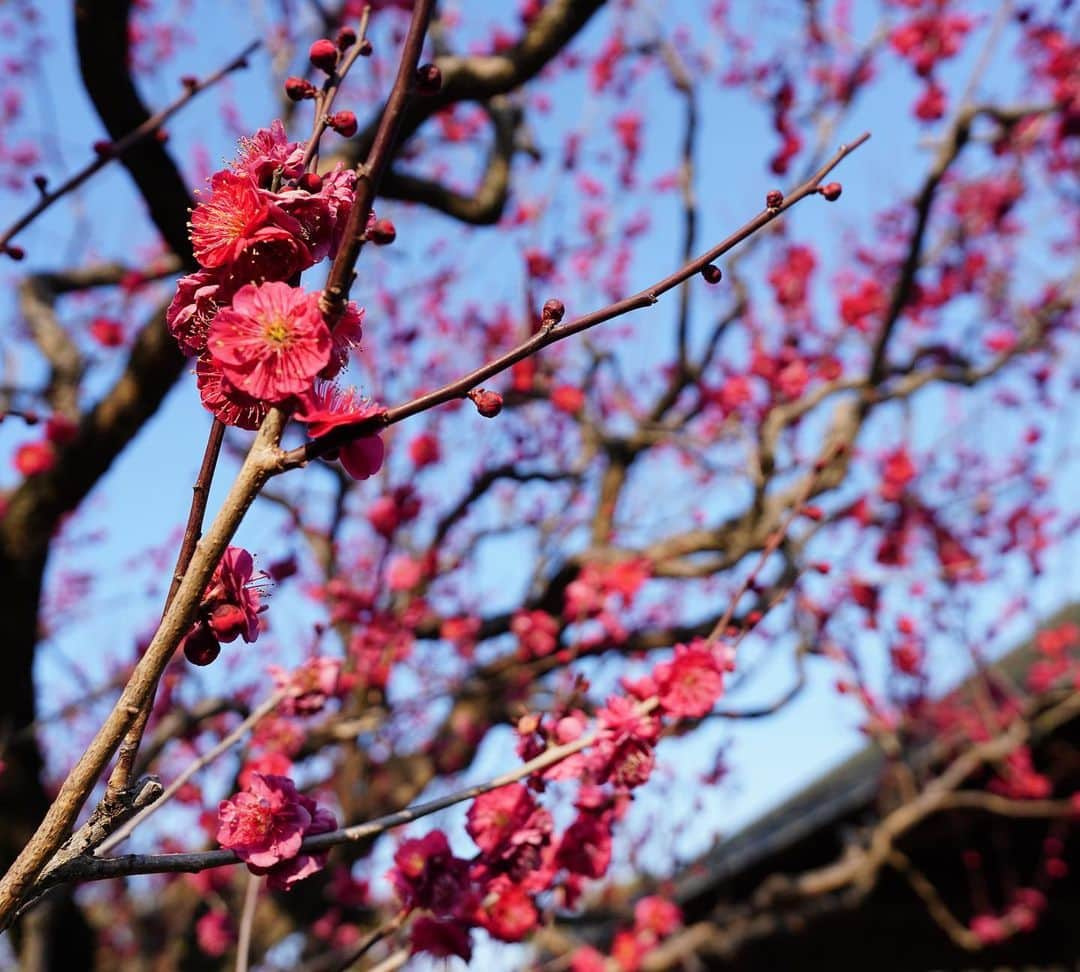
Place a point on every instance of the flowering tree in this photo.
(525, 532)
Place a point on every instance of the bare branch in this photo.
(120, 148)
(553, 333)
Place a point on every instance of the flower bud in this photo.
(103, 147)
(34, 458)
(190, 82)
(553, 311)
(712, 273)
(200, 645)
(774, 199)
(41, 182)
(831, 191)
(323, 54)
(382, 232)
(298, 89)
(15, 252)
(365, 48)
(383, 516)
(60, 430)
(488, 403)
(310, 182)
(428, 79)
(346, 37)
(343, 122)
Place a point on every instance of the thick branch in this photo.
(485, 205)
(482, 77)
(101, 33)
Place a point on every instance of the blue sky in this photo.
(143, 499)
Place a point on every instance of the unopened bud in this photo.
(15, 252)
(774, 199)
(365, 48)
(299, 89)
(323, 54)
(41, 182)
(342, 122)
(428, 79)
(831, 191)
(382, 232)
(346, 37)
(712, 273)
(553, 311)
(488, 403)
(200, 645)
(103, 147)
(190, 82)
(310, 182)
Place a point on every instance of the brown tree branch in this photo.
(552, 333)
(483, 206)
(369, 176)
(482, 77)
(96, 869)
(101, 35)
(263, 458)
(958, 136)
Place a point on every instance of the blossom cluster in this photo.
(519, 854)
(229, 608)
(259, 340)
(655, 918)
(930, 36)
(309, 687)
(265, 825)
(494, 890)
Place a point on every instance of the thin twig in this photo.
(344, 959)
(200, 497)
(121, 145)
(223, 746)
(369, 176)
(325, 100)
(551, 334)
(935, 906)
(247, 922)
(392, 962)
(129, 748)
(97, 869)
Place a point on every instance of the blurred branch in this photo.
(948, 151)
(485, 204)
(124, 143)
(481, 77)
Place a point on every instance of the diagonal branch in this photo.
(551, 333)
(118, 149)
